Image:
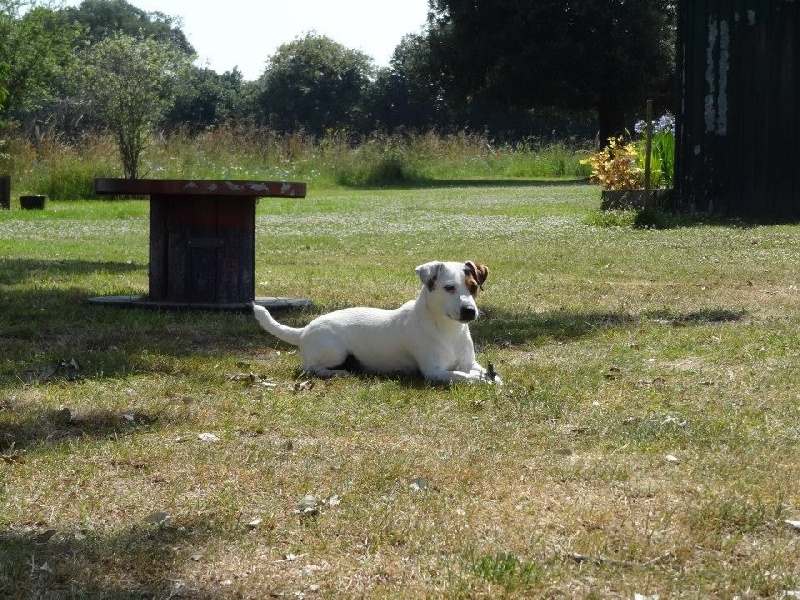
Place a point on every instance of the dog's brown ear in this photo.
(479, 271)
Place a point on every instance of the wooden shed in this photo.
(738, 135)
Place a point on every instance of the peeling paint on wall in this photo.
(710, 77)
(740, 107)
(724, 67)
(718, 56)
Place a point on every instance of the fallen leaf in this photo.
(309, 506)
(44, 537)
(158, 518)
(12, 458)
(251, 377)
(418, 484)
(293, 557)
(64, 415)
(47, 372)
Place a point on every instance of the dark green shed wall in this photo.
(738, 146)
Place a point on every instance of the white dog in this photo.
(429, 334)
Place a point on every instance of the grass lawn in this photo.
(647, 440)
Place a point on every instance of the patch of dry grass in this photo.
(646, 440)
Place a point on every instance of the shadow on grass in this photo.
(474, 183)
(140, 562)
(62, 427)
(675, 218)
(508, 329)
(45, 328)
(16, 271)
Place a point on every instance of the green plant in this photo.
(616, 166)
(662, 157)
(507, 570)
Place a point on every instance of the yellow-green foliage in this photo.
(615, 167)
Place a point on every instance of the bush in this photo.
(616, 166)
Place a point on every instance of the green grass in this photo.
(645, 442)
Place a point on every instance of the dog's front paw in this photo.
(491, 375)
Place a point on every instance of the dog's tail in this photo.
(290, 335)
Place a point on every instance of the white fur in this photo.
(429, 334)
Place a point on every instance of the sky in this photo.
(245, 33)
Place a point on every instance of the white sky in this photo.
(245, 33)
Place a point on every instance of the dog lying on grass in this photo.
(429, 334)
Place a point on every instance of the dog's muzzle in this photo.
(467, 314)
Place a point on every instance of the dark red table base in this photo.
(202, 241)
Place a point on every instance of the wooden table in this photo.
(202, 241)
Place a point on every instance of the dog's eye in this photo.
(450, 288)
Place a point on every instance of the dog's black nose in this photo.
(468, 313)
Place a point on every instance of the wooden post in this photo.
(648, 200)
(5, 192)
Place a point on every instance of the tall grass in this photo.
(66, 171)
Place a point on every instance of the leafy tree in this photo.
(104, 18)
(131, 81)
(36, 47)
(205, 99)
(314, 83)
(609, 55)
(407, 94)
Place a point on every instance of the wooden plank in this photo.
(200, 187)
(5, 191)
(236, 269)
(201, 223)
(178, 259)
(159, 213)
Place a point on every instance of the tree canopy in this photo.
(609, 55)
(315, 83)
(514, 69)
(103, 18)
(36, 47)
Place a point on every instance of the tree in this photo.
(205, 99)
(610, 55)
(36, 47)
(103, 18)
(314, 83)
(406, 94)
(131, 81)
